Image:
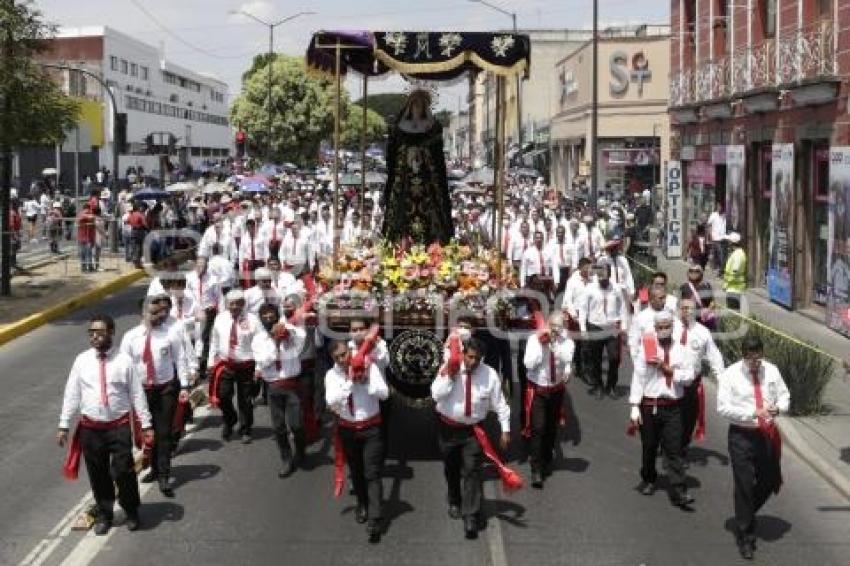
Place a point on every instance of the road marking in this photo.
(90, 545)
(495, 541)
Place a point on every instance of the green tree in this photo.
(302, 109)
(386, 105)
(351, 129)
(33, 111)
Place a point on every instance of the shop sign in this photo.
(735, 193)
(779, 268)
(718, 154)
(674, 209)
(621, 73)
(838, 252)
(701, 172)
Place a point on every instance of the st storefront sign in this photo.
(674, 210)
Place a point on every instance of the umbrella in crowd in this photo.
(216, 187)
(181, 188)
(148, 193)
(483, 176)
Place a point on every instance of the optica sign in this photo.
(674, 209)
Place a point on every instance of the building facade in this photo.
(161, 99)
(758, 101)
(632, 71)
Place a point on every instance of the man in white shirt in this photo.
(276, 350)
(535, 264)
(262, 293)
(592, 237)
(232, 363)
(355, 401)
(463, 401)
(273, 231)
(519, 244)
(103, 389)
(560, 253)
(751, 394)
(717, 235)
(548, 360)
(661, 370)
(600, 313)
(205, 291)
(253, 252)
(157, 353)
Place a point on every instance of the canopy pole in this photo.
(499, 177)
(363, 146)
(337, 117)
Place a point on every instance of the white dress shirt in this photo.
(701, 346)
(538, 360)
(278, 361)
(83, 392)
(574, 292)
(167, 350)
(641, 323)
(296, 250)
(621, 273)
(535, 262)
(217, 234)
(364, 395)
(560, 254)
(256, 296)
(649, 381)
(205, 290)
(254, 248)
(604, 308)
(519, 245)
(450, 395)
(736, 399)
(380, 354)
(247, 327)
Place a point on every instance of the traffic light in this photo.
(149, 149)
(121, 132)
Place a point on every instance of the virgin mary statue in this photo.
(416, 198)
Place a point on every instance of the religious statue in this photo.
(416, 198)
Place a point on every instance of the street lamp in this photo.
(512, 15)
(271, 26)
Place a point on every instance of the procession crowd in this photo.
(242, 319)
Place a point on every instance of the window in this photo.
(768, 15)
(144, 72)
(134, 70)
(124, 66)
(113, 63)
(825, 9)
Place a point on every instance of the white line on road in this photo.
(495, 542)
(89, 545)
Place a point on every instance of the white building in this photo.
(159, 98)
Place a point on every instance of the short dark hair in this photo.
(584, 261)
(752, 344)
(476, 345)
(659, 275)
(336, 345)
(105, 319)
(268, 307)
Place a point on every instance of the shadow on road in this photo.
(193, 472)
(509, 511)
(191, 445)
(700, 456)
(154, 514)
(768, 527)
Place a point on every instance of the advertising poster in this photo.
(781, 220)
(735, 168)
(838, 266)
(674, 209)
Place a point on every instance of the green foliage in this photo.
(302, 110)
(444, 117)
(386, 105)
(352, 128)
(34, 109)
(259, 62)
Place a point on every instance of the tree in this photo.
(302, 110)
(33, 111)
(259, 62)
(352, 128)
(386, 105)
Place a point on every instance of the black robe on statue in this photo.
(416, 198)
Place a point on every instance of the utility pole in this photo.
(6, 161)
(594, 116)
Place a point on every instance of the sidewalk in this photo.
(823, 441)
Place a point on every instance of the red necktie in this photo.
(542, 265)
(524, 244)
(201, 289)
(277, 362)
(147, 358)
(506, 240)
(253, 251)
(351, 397)
(614, 269)
(562, 255)
(551, 365)
(589, 243)
(467, 405)
(684, 340)
(605, 305)
(668, 378)
(759, 398)
(234, 340)
(180, 308)
(104, 398)
(274, 231)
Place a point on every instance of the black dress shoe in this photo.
(593, 390)
(361, 514)
(746, 549)
(683, 499)
(102, 526)
(164, 488)
(646, 488)
(470, 527)
(373, 529)
(150, 477)
(600, 394)
(536, 480)
(246, 438)
(454, 511)
(226, 432)
(612, 394)
(132, 521)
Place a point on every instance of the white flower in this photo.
(449, 42)
(501, 44)
(397, 40)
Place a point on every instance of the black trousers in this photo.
(522, 377)
(690, 412)
(662, 425)
(605, 341)
(462, 463)
(285, 411)
(242, 380)
(206, 331)
(498, 355)
(563, 275)
(545, 410)
(364, 453)
(755, 473)
(109, 462)
(162, 403)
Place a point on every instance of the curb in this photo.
(795, 442)
(30, 323)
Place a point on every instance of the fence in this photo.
(805, 368)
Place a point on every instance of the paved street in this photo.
(232, 509)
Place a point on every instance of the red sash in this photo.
(699, 431)
(179, 417)
(339, 453)
(530, 390)
(511, 479)
(217, 371)
(71, 468)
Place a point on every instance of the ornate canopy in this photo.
(423, 55)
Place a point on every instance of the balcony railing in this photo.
(753, 67)
(806, 54)
(682, 88)
(712, 80)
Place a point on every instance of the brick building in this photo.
(746, 75)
